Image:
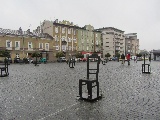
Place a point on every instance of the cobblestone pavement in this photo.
(49, 92)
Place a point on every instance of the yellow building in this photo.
(23, 43)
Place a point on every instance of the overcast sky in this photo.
(132, 16)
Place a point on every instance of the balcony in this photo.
(117, 48)
(117, 45)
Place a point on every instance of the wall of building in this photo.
(132, 43)
(113, 41)
(88, 39)
(26, 46)
(65, 36)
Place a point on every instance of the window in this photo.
(82, 41)
(96, 35)
(9, 44)
(64, 47)
(69, 47)
(47, 46)
(17, 45)
(56, 38)
(75, 48)
(74, 32)
(63, 30)
(69, 39)
(40, 46)
(30, 46)
(69, 31)
(107, 42)
(63, 38)
(97, 42)
(57, 47)
(75, 40)
(82, 47)
(56, 29)
(87, 48)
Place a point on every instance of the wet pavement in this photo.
(49, 92)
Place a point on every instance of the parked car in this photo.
(110, 59)
(18, 60)
(30, 60)
(139, 59)
(61, 59)
(114, 58)
(43, 60)
(84, 59)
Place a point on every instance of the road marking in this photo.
(58, 111)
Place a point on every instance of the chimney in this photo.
(28, 31)
(20, 30)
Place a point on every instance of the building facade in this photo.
(155, 55)
(65, 35)
(113, 41)
(89, 40)
(21, 44)
(131, 44)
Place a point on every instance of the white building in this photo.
(113, 41)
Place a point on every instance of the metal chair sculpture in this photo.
(146, 68)
(90, 83)
(71, 62)
(4, 69)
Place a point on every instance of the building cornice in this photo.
(105, 28)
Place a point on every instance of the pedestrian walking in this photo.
(123, 58)
(136, 59)
(128, 58)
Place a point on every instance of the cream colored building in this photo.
(64, 33)
(89, 40)
(113, 40)
(132, 44)
(22, 44)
